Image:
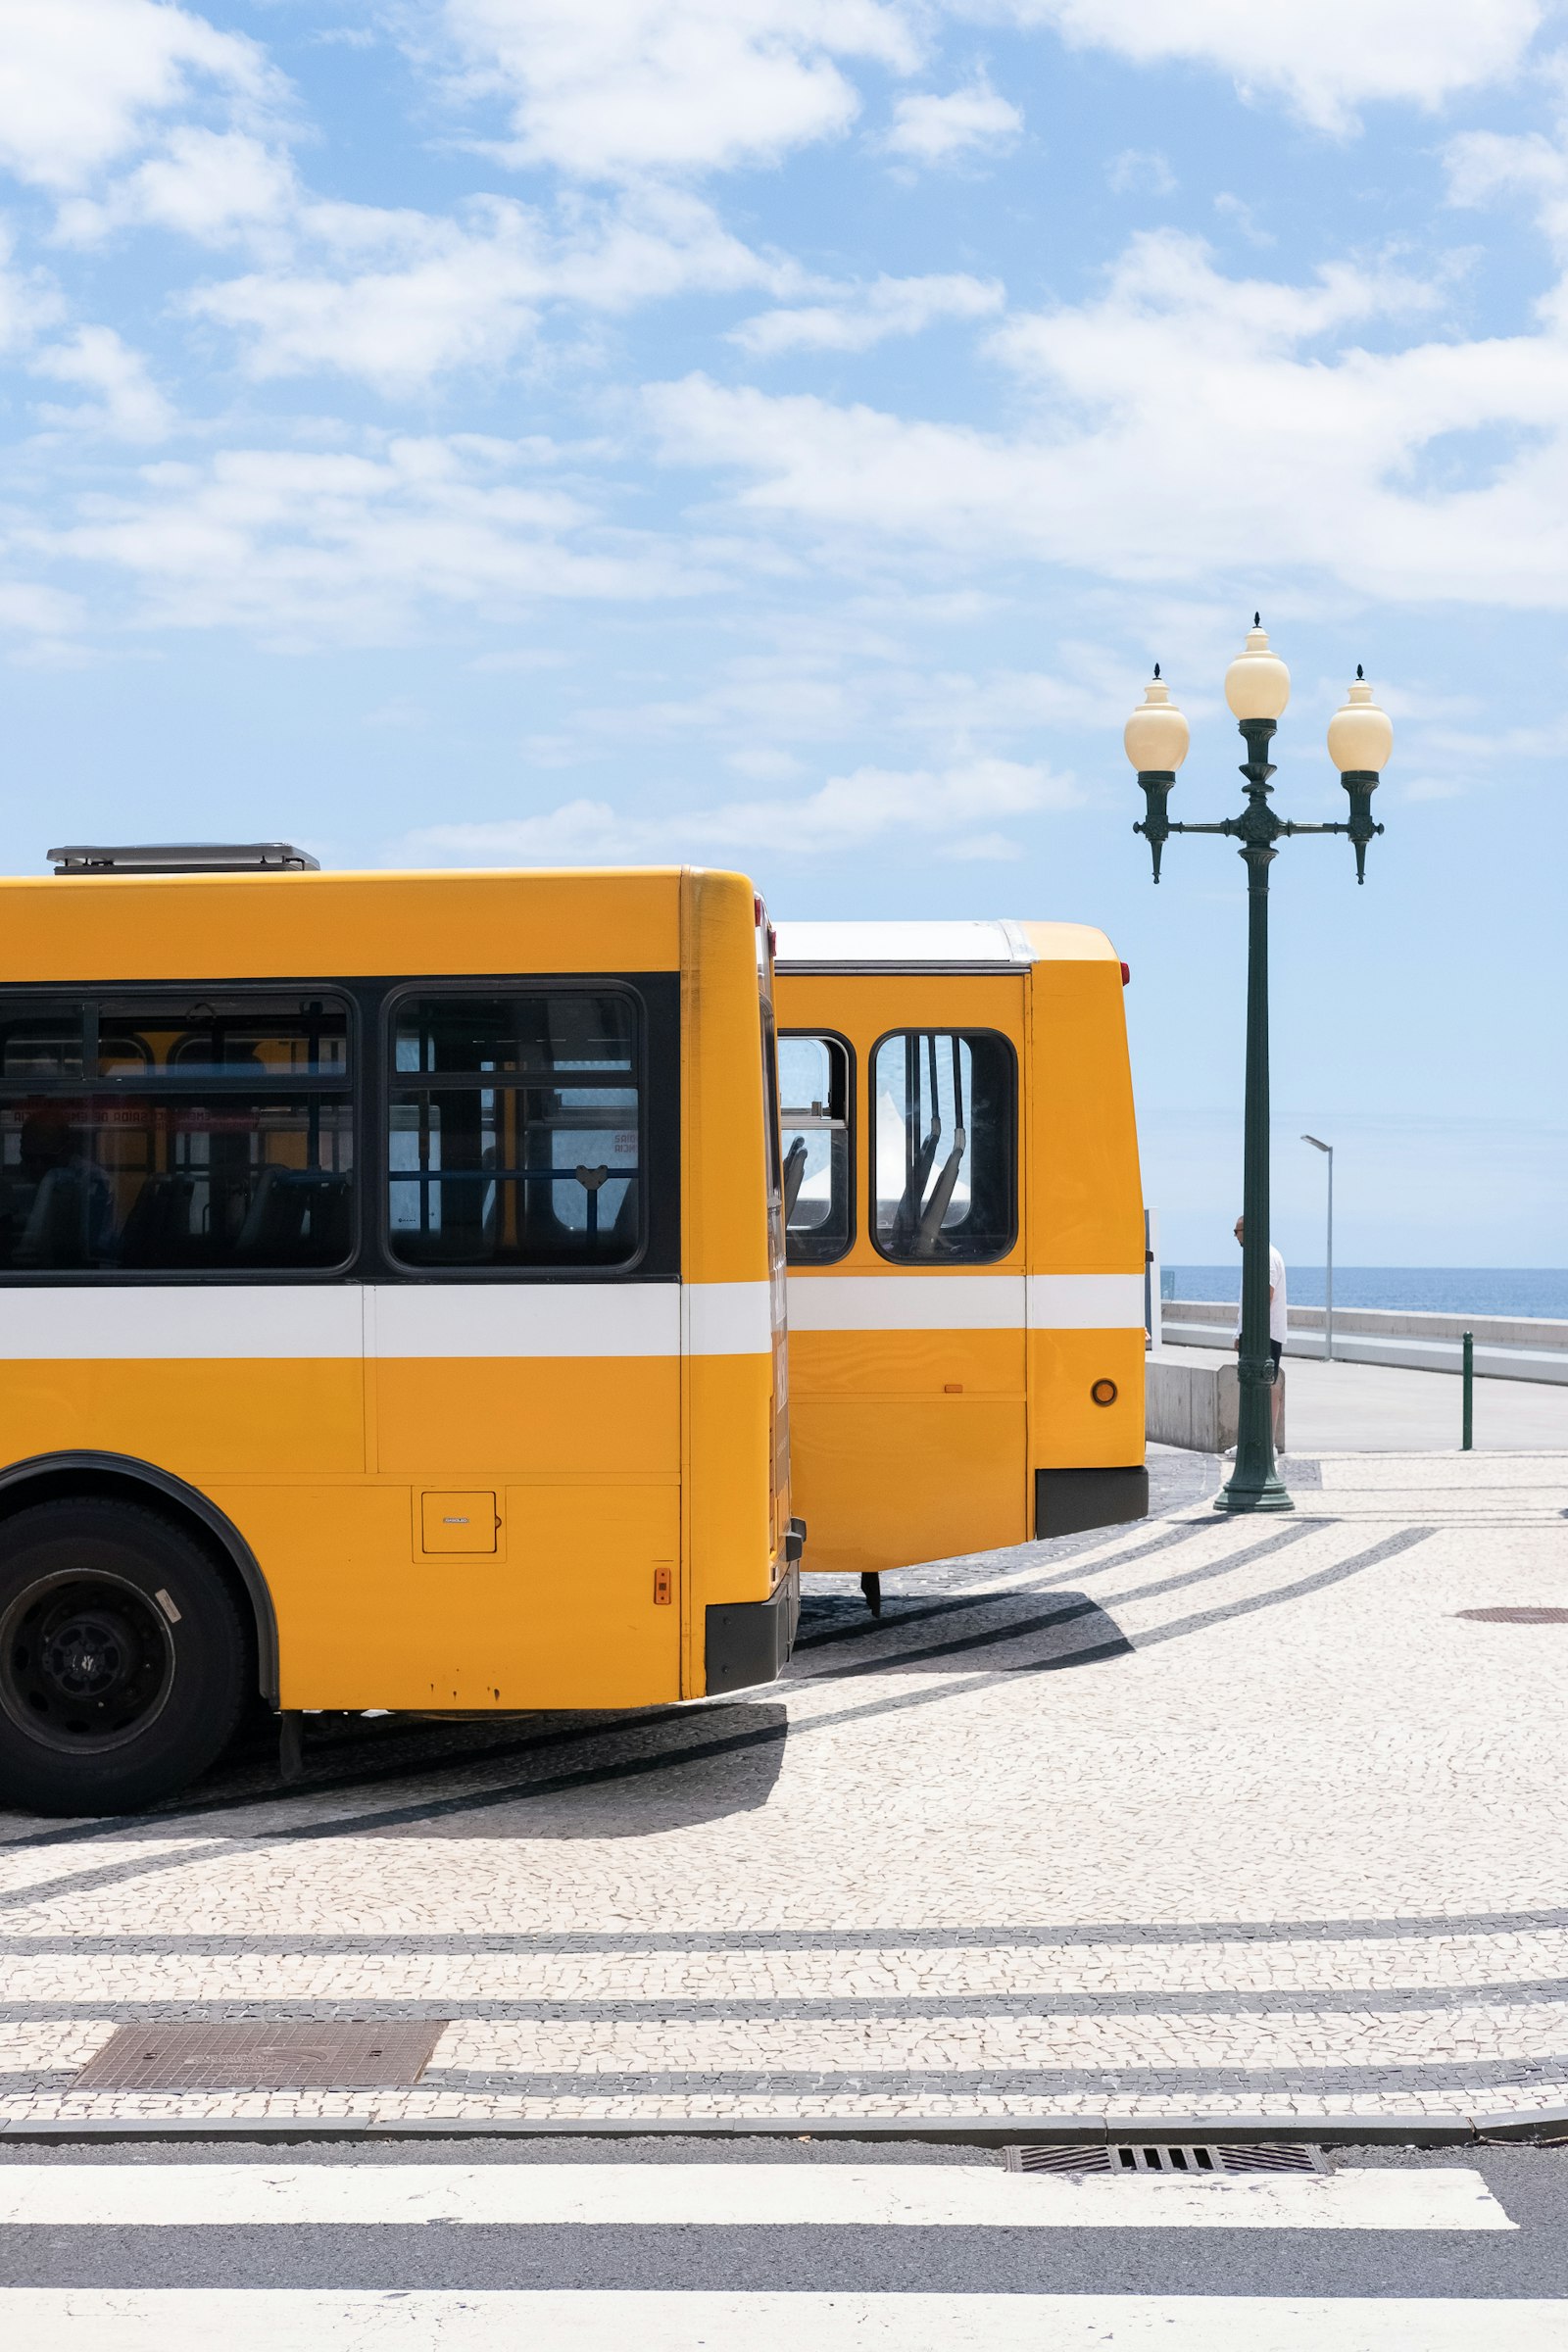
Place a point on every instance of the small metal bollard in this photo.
(1467, 1375)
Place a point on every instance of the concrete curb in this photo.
(1548, 2123)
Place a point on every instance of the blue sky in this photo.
(782, 433)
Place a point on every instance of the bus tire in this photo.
(123, 1658)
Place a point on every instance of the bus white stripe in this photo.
(1086, 1301)
(284, 1321)
(900, 1302)
(506, 1319)
(729, 1318)
(921, 1299)
(70, 1325)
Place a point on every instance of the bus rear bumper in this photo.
(1071, 1503)
(749, 1641)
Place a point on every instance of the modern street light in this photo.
(1257, 687)
(1328, 1269)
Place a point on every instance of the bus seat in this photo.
(936, 1208)
(906, 1215)
(622, 1237)
(794, 1172)
(70, 1220)
(158, 1227)
(295, 1214)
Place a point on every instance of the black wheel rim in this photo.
(86, 1662)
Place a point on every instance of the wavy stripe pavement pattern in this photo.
(1195, 1816)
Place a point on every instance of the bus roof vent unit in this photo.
(183, 857)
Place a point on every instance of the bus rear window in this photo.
(515, 1129)
(942, 1145)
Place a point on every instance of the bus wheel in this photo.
(871, 1587)
(123, 1659)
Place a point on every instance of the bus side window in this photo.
(172, 1134)
(813, 1077)
(515, 1129)
(942, 1122)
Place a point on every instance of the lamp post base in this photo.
(1269, 1495)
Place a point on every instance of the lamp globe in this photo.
(1360, 735)
(1156, 735)
(1257, 684)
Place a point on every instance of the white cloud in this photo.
(307, 549)
(1190, 427)
(1140, 171)
(130, 405)
(864, 315)
(900, 809)
(209, 185)
(395, 298)
(1235, 208)
(1328, 58)
(81, 81)
(28, 301)
(30, 609)
(931, 129)
(621, 87)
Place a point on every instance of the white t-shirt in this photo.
(1276, 1311)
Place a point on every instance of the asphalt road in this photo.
(773, 2257)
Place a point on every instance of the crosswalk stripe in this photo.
(289, 2319)
(735, 2195)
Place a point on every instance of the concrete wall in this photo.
(1191, 1402)
(1498, 1330)
(1508, 1346)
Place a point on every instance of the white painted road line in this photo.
(731, 2196)
(287, 2320)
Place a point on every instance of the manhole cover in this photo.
(259, 2056)
(1515, 1616)
(1129, 2157)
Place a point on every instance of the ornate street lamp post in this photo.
(1257, 687)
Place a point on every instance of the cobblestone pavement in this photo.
(1194, 1818)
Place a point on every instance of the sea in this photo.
(1433, 1290)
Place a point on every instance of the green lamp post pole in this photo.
(1257, 688)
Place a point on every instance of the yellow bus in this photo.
(393, 1303)
(964, 1235)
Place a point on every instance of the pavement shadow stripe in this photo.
(1006, 1934)
(1022, 1626)
(652, 2009)
(1340, 2081)
(1389, 1548)
(869, 1628)
(1201, 1575)
(861, 1668)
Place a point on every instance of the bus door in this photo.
(900, 1128)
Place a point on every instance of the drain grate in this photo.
(1129, 2158)
(263, 2057)
(1538, 1616)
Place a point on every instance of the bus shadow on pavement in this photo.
(545, 1776)
(1001, 1632)
(708, 1771)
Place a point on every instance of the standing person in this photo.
(1276, 1326)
